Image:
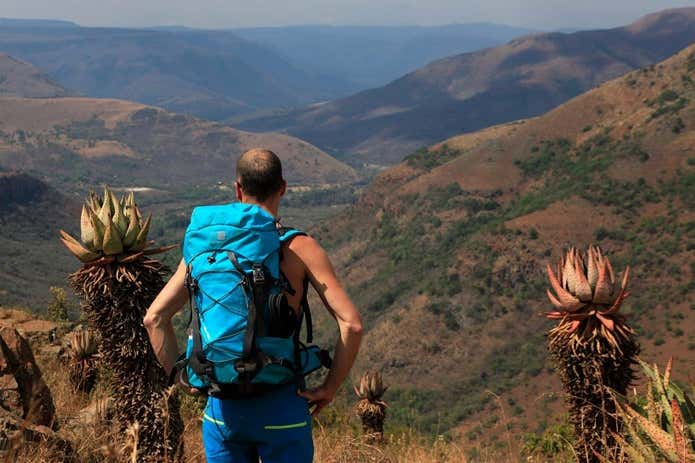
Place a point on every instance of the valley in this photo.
(550, 141)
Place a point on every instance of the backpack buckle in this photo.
(246, 368)
(258, 275)
(190, 282)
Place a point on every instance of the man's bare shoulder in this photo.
(306, 248)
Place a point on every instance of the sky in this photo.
(536, 14)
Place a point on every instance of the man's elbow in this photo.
(152, 321)
(354, 327)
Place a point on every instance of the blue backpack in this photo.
(245, 337)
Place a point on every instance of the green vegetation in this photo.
(438, 411)
(427, 159)
(330, 196)
(555, 442)
(669, 104)
(690, 64)
(59, 306)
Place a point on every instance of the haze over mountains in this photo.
(467, 92)
(220, 74)
(371, 56)
(210, 74)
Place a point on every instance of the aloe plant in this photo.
(593, 348)
(117, 283)
(371, 408)
(662, 427)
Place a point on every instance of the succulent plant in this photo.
(117, 283)
(587, 295)
(83, 360)
(592, 347)
(110, 230)
(371, 408)
(663, 428)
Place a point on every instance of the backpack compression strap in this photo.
(256, 287)
(199, 364)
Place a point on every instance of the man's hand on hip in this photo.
(318, 397)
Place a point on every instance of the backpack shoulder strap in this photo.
(287, 234)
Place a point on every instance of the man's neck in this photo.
(270, 208)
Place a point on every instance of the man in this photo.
(276, 426)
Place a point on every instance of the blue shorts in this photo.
(275, 427)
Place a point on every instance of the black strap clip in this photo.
(258, 275)
(190, 282)
(246, 367)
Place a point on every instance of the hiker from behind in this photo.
(246, 278)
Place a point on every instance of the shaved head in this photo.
(259, 173)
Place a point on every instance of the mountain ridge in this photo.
(467, 92)
(212, 74)
(93, 140)
(18, 78)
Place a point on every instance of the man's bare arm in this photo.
(158, 318)
(338, 303)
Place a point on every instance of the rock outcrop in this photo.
(27, 411)
(23, 391)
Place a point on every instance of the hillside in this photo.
(448, 265)
(18, 78)
(210, 74)
(464, 93)
(69, 146)
(76, 143)
(370, 56)
(33, 259)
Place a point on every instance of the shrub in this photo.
(666, 96)
(57, 309)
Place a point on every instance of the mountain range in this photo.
(219, 74)
(71, 140)
(448, 266)
(444, 252)
(470, 91)
(207, 73)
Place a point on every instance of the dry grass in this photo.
(338, 446)
(338, 442)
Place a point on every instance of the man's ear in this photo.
(283, 189)
(239, 191)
